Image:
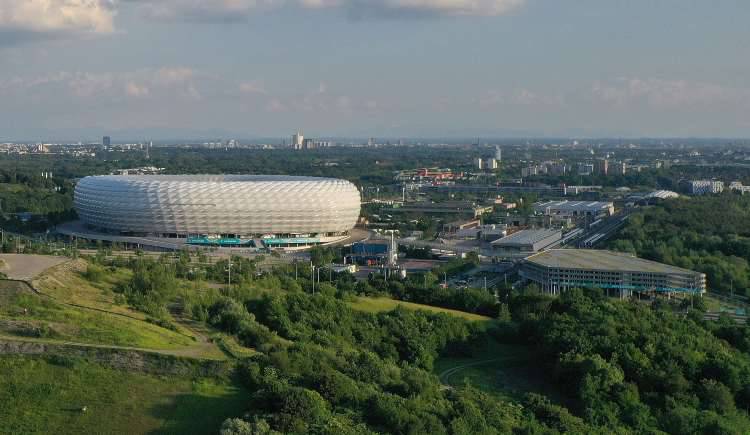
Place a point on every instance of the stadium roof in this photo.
(525, 237)
(601, 260)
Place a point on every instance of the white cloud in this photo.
(667, 94)
(252, 88)
(519, 97)
(135, 90)
(398, 8)
(164, 83)
(229, 10)
(210, 10)
(57, 16)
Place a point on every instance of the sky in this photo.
(161, 69)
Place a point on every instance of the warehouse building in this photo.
(558, 270)
(525, 242)
(574, 209)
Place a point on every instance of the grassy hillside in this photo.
(67, 283)
(377, 305)
(41, 394)
(505, 371)
(24, 313)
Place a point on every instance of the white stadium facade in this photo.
(221, 210)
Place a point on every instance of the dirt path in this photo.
(170, 352)
(446, 375)
(25, 267)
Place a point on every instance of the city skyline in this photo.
(384, 68)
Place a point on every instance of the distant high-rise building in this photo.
(489, 164)
(602, 166)
(498, 153)
(556, 168)
(298, 140)
(529, 171)
(585, 169)
(370, 141)
(106, 141)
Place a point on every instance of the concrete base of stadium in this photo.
(78, 230)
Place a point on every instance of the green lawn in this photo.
(377, 305)
(46, 396)
(66, 283)
(506, 371)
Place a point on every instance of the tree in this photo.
(716, 396)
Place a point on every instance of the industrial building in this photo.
(449, 207)
(494, 189)
(227, 210)
(558, 270)
(373, 252)
(525, 242)
(661, 194)
(574, 209)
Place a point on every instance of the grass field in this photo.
(66, 283)
(506, 371)
(377, 305)
(21, 310)
(46, 396)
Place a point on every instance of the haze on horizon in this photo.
(245, 68)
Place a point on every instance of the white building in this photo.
(737, 186)
(241, 206)
(298, 141)
(489, 164)
(705, 187)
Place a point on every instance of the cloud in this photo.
(656, 93)
(416, 8)
(203, 10)
(56, 16)
(519, 97)
(137, 91)
(252, 88)
(234, 10)
(164, 84)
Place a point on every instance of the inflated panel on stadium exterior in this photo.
(217, 204)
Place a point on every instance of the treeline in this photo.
(706, 234)
(325, 368)
(426, 289)
(331, 370)
(635, 368)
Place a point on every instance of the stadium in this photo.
(220, 210)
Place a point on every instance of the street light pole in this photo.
(229, 269)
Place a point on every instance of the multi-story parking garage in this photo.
(557, 270)
(228, 210)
